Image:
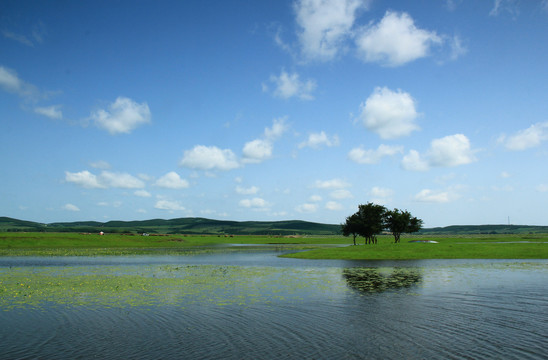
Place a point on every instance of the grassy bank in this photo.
(447, 247)
(473, 247)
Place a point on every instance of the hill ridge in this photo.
(200, 225)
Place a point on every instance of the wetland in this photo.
(247, 302)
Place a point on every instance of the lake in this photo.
(247, 303)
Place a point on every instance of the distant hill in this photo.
(226, 227)
(177, 226)
(485, 229)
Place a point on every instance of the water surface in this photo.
(250, 304)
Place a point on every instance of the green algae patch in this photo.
(175, 285)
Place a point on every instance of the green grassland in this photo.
(447, 247)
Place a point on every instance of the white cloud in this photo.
(340, 194)
(142, 193)
(53, 111)
(427, 195)
(413, 161)
(289, 85)
(380, 192)
(389, 114)
(71, 207)
(458, 49)
(106, 179)
(257, 150)
(505, 175)
(533, 136)
(247, 191)
(317, 140)
(452, 150)
(172, 180)
(449, 151)
(362, 156)
(279, 127)
(168, 205)
(10, 82)
(123, 116)
(333, 206)
(209, 158)
(331, 184)
(315, 198)
(84, 179)
(325, 25)
(120, 180)
(307, 208)
(395, 40)
(255, 203)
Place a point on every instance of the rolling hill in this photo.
(226, 227)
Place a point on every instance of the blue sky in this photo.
(256, 110)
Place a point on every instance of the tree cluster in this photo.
(371, 219)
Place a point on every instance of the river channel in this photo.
(248, 303)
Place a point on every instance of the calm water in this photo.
(254, 305)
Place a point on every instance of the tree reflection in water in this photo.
(375, 280)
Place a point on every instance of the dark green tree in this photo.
(399, 222)
(351, 226)
(372, 219)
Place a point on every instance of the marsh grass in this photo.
(458, 247)
(448, 247)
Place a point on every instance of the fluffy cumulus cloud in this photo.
(290, 85)
(71, 207)
(254, 203)
(318, 140)
(169, 205)
(331, 184)
(524, 139)
(142, 193)
(172, 180)
(209, 158)
(106, 179)
(122, 116)
(325, 25)
(449, 151)
(84, 179)
(247, 191)
(390, 114)
(258, 150)
(452, 150)
(370, 156)
(395, 40)
(435, 196)
(121, 180)
(307, 208)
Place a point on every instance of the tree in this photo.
(398, 222)
(372, 219)
(351, 226)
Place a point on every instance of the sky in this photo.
(274, 110)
